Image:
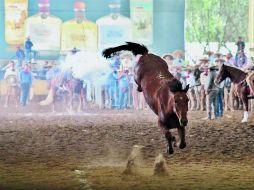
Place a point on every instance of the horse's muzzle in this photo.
(183, 122)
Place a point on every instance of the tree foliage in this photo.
(216, 20)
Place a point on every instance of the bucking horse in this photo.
(163, 93)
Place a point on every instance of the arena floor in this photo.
(90, 150)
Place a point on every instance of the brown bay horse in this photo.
(238, 78)
(163, 93)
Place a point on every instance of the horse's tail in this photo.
(129, 46)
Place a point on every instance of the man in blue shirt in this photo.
(20, 54)
(25, 83)
(28, 49)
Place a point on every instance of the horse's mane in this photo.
(175, 85)
(237, 73)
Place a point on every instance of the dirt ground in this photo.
(90, 150)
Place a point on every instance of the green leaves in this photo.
(216, 20)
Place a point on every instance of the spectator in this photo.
(240, 47)
(20, 54)
(178, 58)
(211, 56)
(240, 44)
(28, 50)
(25, 83)
(113, 86)
(190, 80)
(197, 87)
(211, 92)
(123, 89)
(219, 109)
(230, 59)
(169, 60)
(203, 79)
(242, 60)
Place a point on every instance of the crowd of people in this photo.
(119, 90)
(205, 93)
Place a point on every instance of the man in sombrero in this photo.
(211, 91)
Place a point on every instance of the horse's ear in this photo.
(186, 88)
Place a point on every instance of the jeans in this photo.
(28, 54)
(19, 65)
(114, 94)
(212, 100)
(219, 110)
(123, 99)
(25, 88)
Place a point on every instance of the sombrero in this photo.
(218, 54)
(229, 55)
(168, 55)
(220, 60)
(204, 59)
(188, 67)
(209, 52)
(178, 52)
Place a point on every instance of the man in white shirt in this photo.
(190, 80)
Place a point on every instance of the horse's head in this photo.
(181, 100)
(222, 74)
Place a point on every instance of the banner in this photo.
(16, 12)
(141, 12)
(83, 36)
(45, 34)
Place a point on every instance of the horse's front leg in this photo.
(168, 137)
(181, 133)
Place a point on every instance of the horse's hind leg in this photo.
(181, 133)
(168, 137)
(246, 107)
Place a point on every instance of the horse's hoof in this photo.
(182, 145)
(170, 150)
